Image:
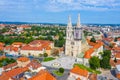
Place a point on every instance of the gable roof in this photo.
(34, 64)
(23, 59)
(12, 73)
(10, 65)
(77, 70)
(91, 50)
(43, 75)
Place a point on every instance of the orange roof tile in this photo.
(2, 57)
(91, 50)
(77, 70)
(117, 55)
(2, 44)
(14, 49)
(93, 77)
(116, 48)
(17, 43)
(43, 75)
(37, 45)
(10, 65)
(34, 64)
(78, 79)
(12, 73)
(1, 48)
(88, 53)
(118, 76)
(23, 59)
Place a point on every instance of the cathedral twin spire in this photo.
(70, 23)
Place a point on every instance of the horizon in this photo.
(13, 22)
(57, 11)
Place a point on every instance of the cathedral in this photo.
(76, 43)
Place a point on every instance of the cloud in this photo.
(99, 5)
(58, 5)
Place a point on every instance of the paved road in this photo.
(107, 74)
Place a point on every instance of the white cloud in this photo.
(59, 5)
(100, 5)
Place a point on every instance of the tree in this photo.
(94, 62)
(93, 40)
(61, 70)
(106, 53)
(104, 63)
(45, 55)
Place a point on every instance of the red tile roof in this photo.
(11, 48)
(10, 65)
(23, 59)
(37, 45)
(117, 55)
(91, 50)
(34, 64)
(88, 53)
(12, 73)
(24, 26)
(93, 77)
(17, 43)
(77, 70)
(2, 44)
(43, 75)
(118, 76)
(1, 48)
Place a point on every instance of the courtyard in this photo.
(66, 62)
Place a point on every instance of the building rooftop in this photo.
(12, 73)
(43, 75)
(23, 59)
(77, 70)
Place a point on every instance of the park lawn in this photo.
(46, 59)
(87, 68)
(57, 73)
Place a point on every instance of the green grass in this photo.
(87, 68)
(46, 59)
(57, 73)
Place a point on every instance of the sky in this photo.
(57, 11)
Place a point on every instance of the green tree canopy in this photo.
(61, 70)
(94, 62)
(93, 40)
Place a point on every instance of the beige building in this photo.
(75, 42)
(37, 47)
(23, 61)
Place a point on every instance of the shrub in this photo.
(45, 55)
(61, 70)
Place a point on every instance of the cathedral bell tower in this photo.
(69, 36)
(78, 30)
(73, 38)
(77, 38)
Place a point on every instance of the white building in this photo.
(74, 39)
